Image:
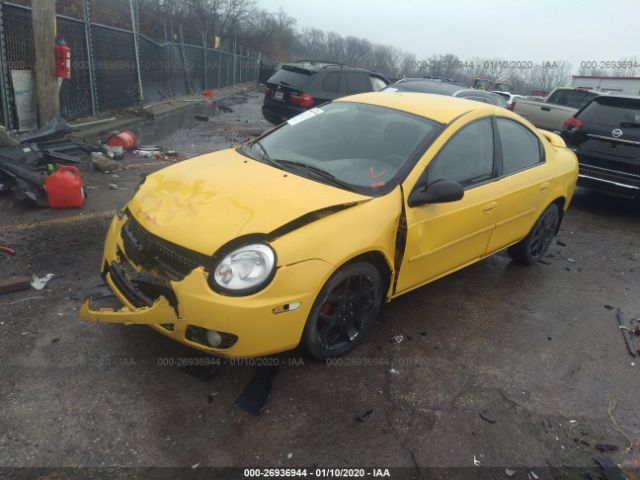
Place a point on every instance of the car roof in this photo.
(315, 66)
(441, 108)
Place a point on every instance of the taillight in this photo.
(572, 123)
(302, 100)
(267, 92)
(512, 106)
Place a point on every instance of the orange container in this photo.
(126, 140)
(64, 188)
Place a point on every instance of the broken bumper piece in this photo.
(190, 312)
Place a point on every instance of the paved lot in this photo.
(533, 349)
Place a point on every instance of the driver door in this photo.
(444, 237)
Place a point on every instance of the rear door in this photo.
(610, 136)
(524, 186)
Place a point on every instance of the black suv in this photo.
(605, 134)
(299, 86)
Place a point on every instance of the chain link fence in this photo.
(105, 69)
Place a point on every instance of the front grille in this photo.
(156, 254)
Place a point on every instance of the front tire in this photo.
(533, 247)
(344, 312)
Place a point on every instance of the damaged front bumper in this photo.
(184, 309)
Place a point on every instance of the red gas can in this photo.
(64, 188)
(126, 140)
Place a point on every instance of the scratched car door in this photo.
(443, 237)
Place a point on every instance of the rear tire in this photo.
(533, 247)
(344, 312)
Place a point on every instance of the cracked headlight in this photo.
(244, 271)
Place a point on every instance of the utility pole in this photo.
(44, 44)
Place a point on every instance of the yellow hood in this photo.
(205, 202)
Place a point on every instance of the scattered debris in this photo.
(562, 244)
(202, 118)
(509, 473)
(204, 373)
(362, 417)
(253, 398)
(210, 397)
(571, 260)
(8, 250)
(487, 416)
(116, 153)
(15, 284)
(193, 467)
(423, 334)
(605, 447)
(476, 462)
(609, 307)
(113, 186)
(626, 329)
(289, 455)
(398, 339)
(393, 371)
(614, 422)
(39, 283)
(610, 470)
(26, 161)
(102, 163)
(532, 475)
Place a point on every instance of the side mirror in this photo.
(440, 191)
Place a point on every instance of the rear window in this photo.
(616, 112)
(292, 78)
(571, 98)
(359, 82)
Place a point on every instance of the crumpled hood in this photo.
(205, 202)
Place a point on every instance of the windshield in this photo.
(360, 147)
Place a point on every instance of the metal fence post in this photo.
(134, 24)
(86, 14)
(204, 59)
(184, 63)
(4, 80)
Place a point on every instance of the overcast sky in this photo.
(529, 30)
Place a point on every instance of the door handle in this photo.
(544, 187)
(490, 207)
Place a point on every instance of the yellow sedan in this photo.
(300, 236)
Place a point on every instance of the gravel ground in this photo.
(502, 365)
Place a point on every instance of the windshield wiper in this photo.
(630, 124)
(323, 174)
(265, 155)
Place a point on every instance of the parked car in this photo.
(302, 234)
(299, 86)
(440, 87)
(605, 134)
(509, 97)
(561, 104)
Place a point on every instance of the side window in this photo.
(335, 83)
(520, 147)
(359, 82)
(377, 83)
(467, 158)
